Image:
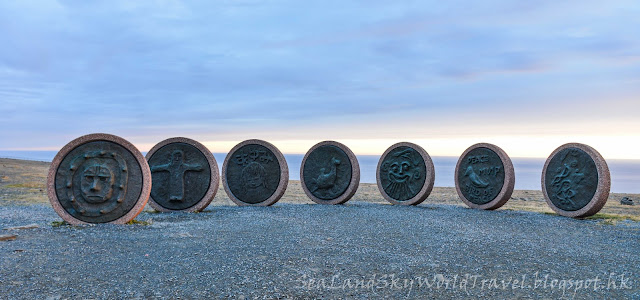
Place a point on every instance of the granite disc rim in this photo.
(284, 174)
(427, 187)
(354, 182)
(602, 191)
(507, 187)
(94, 137)
(214, 181)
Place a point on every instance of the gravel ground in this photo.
(357, 250)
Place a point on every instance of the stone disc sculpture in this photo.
(330, 173)
(184, 174)
(405, 174)
(255, 173)
(98, 178)
(576, 181)
(484, 177)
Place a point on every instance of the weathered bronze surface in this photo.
(253, 173)
(181, 176)
(98, 182)
(481, 175)
(402, 173)
(327, 172)
(571, 179)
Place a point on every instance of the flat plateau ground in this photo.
(296, 249)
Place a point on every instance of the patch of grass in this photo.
(136, 222)
(613, 217)
(529, 208)
(608, 222)
(59, 223)
(27, 185)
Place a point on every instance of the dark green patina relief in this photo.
(98, 182)
(402, 173)
(253, 173)
(327, 172)
(181, 176)
(481, 175)
(571, 179)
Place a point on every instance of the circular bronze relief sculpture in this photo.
(576, 181)
(98, 178)
(405, 174)
(330, 173)
(255, 173)
(484, 176)
(184, 173)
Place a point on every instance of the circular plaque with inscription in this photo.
(576, 181)
(330, 173)
(255, 173)
(484, 177)
(184, 174)
(405, 174)
(98, 178)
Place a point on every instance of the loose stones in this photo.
(98, 178)
(255, 173)
(484, 177)
(185, 175)
(405, 174)
(330, 173)
(576, 181)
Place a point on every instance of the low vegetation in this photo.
(24, 183)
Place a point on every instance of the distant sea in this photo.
(625, 173)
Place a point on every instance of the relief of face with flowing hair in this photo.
(254, 176)
(401, 171)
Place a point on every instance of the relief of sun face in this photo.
(404, 173)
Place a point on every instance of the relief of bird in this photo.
(326, 180)
(475, 179)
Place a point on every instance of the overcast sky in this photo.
(526, 75)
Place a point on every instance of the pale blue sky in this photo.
(525, 75)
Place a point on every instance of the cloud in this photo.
(223, 69)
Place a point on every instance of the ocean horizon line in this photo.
(625, 173)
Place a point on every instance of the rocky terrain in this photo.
(297, 249)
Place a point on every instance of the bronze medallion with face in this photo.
(98, 178)
(255, 173)
(184, 173)
(405, 174)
